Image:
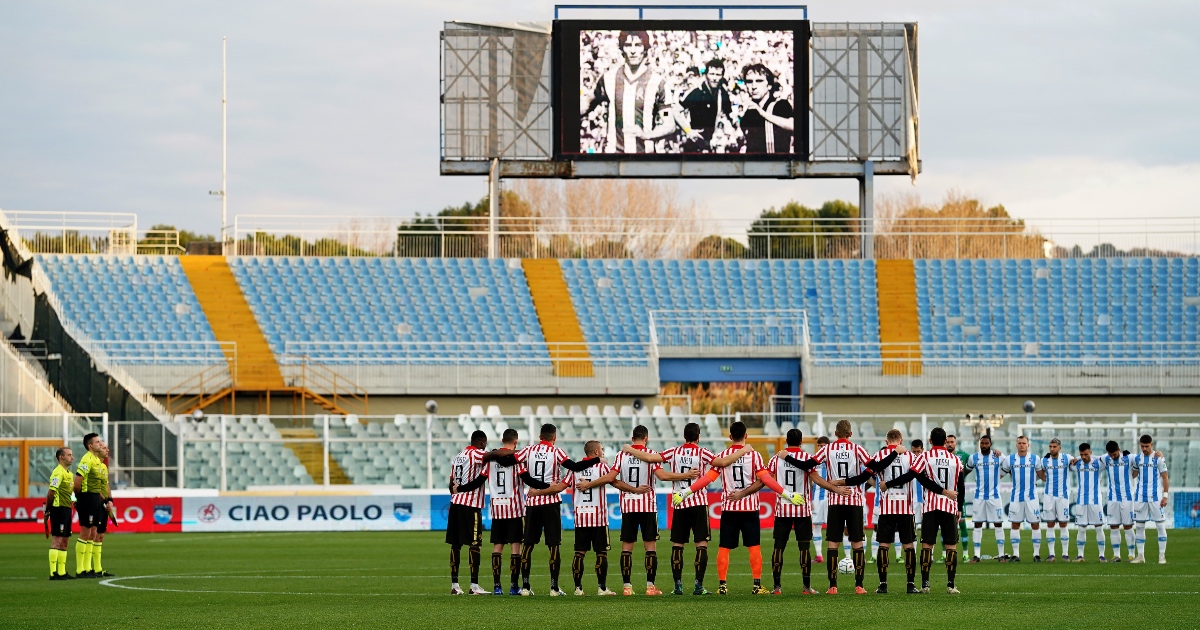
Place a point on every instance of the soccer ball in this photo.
(846, 566)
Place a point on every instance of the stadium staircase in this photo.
(556, 314)
(254, 370)
(899, 325)
(310, 454)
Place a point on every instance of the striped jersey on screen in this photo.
(987, 474)
(1023, 470)
(591, 505)
(819, 493)
(844, 459)
(943, 467)
(794, 480)
(898, 500)
(544, 463)
(506, 491)
(1056, 474)
(683, 459)
(1089, 480)
(738, 475)
(1120, 481)
(1148, 467)
(464, 468)
(636, 472)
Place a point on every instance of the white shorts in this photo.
(1055, 509)
(820, 511)
(987, 511)
(1024, 512)
(919, 508)
(1089, 515)
(1119, 513)
(1148, 511)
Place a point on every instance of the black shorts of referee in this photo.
(90, 508)
(464, 526)
(60, 521)
(844, 517)
(785, 525)
(741, 524)
(937, 520)
(892, 526)
(541, 519)
(690, 522)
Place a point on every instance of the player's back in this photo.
(792, 479)
(506, 491)
(543, 462)
(737, 476)
(843, 460)
(465, 467)
(943, 467)
(682, 460)
(591, 505)
(636, 472)
(897, 500)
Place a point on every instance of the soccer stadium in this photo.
(876, 411)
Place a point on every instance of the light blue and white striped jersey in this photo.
(1056, 474)
(1120, 482)
(1148, 467)
(919, 495)
(818, 491)
(1024, 475)
(987, 474)
(1089, 480)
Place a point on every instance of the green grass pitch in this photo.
(400, 580)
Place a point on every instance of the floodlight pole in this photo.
(493, 206)
(866, 208)
(224, 154)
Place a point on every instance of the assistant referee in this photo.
(58, 512)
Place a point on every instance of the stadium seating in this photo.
(131, 299)
(613, 298)
(255, 456)
(436, 301)
(1078, 310)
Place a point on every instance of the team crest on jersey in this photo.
(162, 514)
(402, 511)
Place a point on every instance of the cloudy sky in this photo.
(1055, 109)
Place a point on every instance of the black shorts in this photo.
(89, 508)
(543, 518)
(744, 524)
(844, 517)
(464, 526)
(631, 522)
(102, 521)
(939, 520)
(60, 521)
(506, 531)
(891, 525)
(785, 525)
(593, 538)
(691, 520)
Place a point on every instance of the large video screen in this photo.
(709, 89)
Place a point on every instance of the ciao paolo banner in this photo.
(141, 515)
(306, 513)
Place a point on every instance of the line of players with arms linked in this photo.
(916, 490)
(85, 492)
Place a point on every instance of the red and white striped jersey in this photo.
(683, 459)
(794, 480)
(737, 476)
(898, 500)
(544, 463)
(843, 459)
(506, 490)
(591, 505)
(464, 468)
(636, 472)
(943, 467)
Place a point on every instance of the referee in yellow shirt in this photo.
(91, 482)
(58, 512)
